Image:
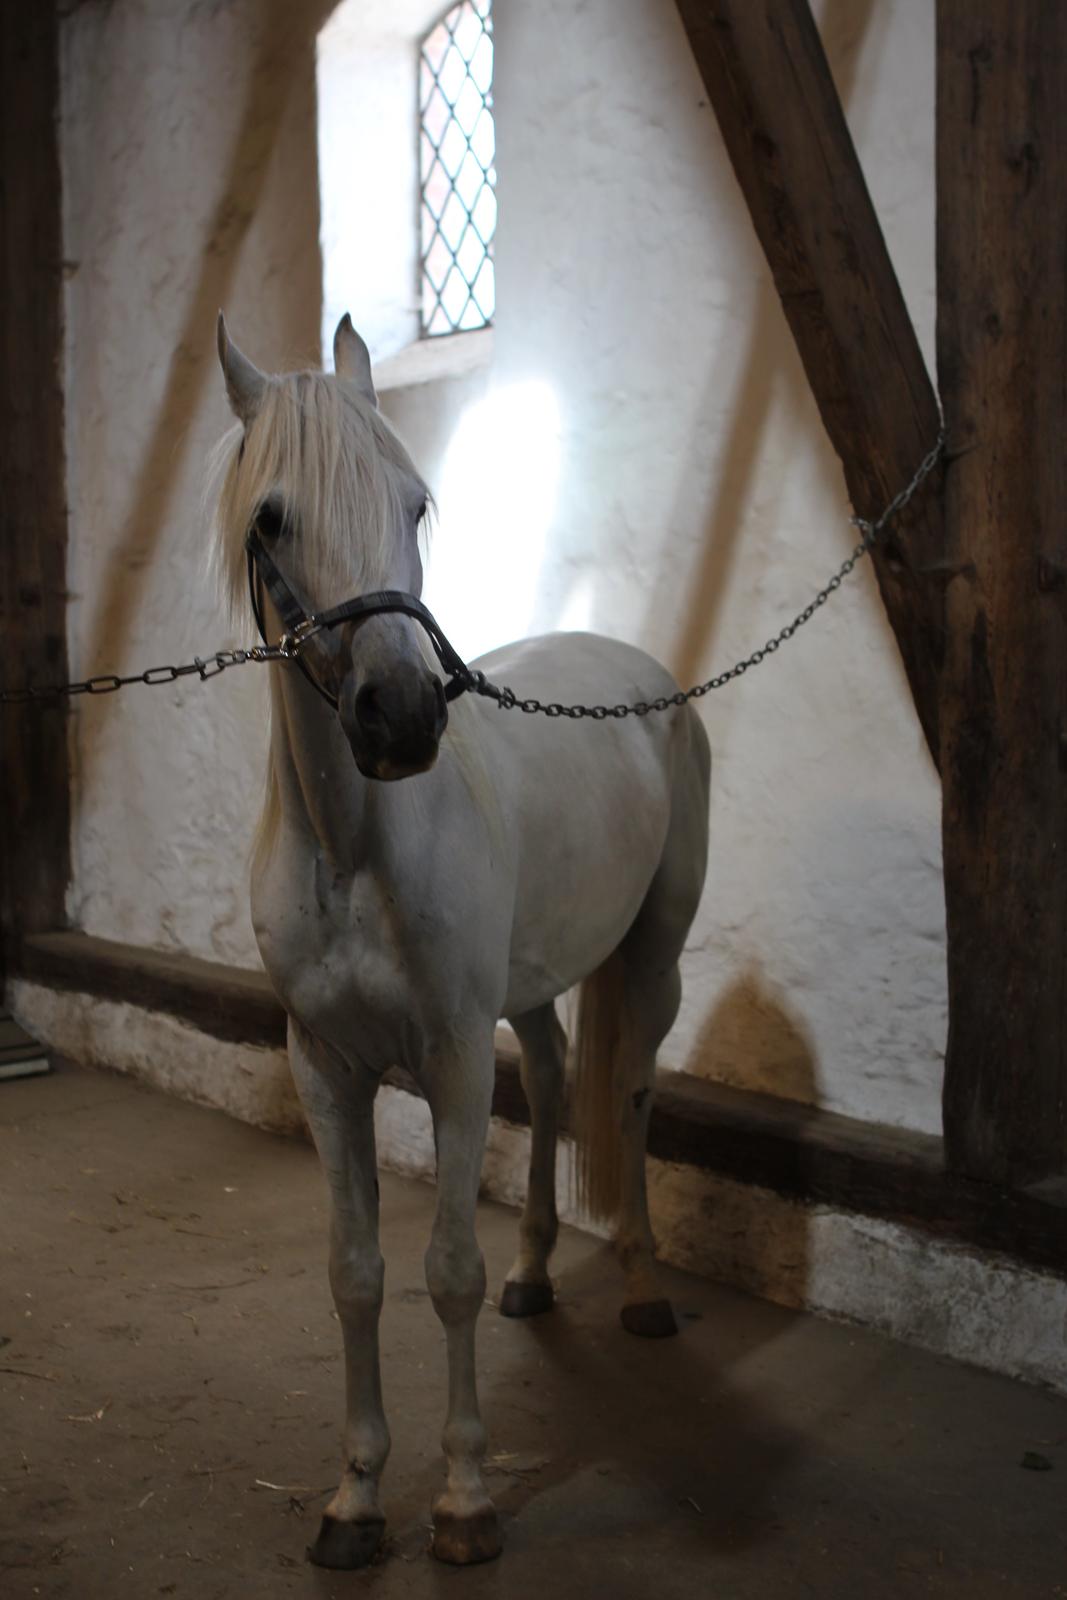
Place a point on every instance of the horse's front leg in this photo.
(340, 1110)
(459, 1087)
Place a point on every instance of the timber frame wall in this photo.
(972, 578)
(848, 317)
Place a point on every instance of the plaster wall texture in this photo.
(641, 457)
(190, 184)
(957, 1302)
(654, 467)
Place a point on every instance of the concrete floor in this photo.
(172, 1388)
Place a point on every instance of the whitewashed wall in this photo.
(646, 397)
(641, 457)
(190, 182)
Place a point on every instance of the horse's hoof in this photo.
(462, 1541)
(650, 1319)
(347, 1545)
(526, 1299)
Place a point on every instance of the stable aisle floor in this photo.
(171, 1402)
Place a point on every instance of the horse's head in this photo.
(337, 503)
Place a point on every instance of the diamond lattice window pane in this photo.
(453, 220)
(470, 255)
(481, 64)
(435, 115)
(484, 290)
(468, 32)
(484, 213)
(438, 263)
(469, 179)
(457, 151)
(468, 107)
(454, 295)
(435, 191)
(483, 142)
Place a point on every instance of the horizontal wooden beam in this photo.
(801, 1152)
(223, 1001)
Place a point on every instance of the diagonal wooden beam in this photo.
(769, 82)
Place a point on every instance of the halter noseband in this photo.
(302, 624)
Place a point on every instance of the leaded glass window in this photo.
(457, 145)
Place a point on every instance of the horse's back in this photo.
(589, 802)
(564, 667)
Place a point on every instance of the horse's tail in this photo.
(597, 1121)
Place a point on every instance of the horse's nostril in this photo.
(368, 707)
(437, 708)
(401, 717)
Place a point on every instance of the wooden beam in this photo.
(34, 771)
(805, 1154)
(1002, 357)
(768, 80)
(223, 1001)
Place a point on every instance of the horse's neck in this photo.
(322, 796)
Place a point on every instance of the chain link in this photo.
(214, 665)
(108, 682)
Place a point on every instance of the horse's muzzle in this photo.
(394, 725)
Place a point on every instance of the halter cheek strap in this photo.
(301, 623)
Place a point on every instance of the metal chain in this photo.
(871, 531)
(212, 666)
(107, 682)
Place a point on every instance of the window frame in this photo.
(435, 319)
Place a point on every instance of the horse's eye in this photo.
(270, 520)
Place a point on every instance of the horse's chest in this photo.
(341, 967)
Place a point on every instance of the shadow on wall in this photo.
(751, 1038)
(769, 360)
(283, 58)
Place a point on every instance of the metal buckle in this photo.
(291, 644)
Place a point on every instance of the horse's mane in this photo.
(342, 475)
(339, 469)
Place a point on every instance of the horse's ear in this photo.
(244, 382)
(351, 359)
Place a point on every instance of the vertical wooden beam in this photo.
(769, 82)
(1002, 357)
(34, 777)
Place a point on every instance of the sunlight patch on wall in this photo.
(576, 615)
(496, 502)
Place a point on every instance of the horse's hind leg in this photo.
(651, 1004)
(651, 992)
(340, 1111)
(528, 1288)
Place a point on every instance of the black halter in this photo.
(302, 624)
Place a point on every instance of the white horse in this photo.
(398, 921)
